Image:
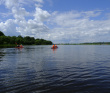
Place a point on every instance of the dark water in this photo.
(68, 69)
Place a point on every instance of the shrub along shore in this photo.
(93, 43)
(12, 41)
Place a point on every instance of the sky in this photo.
(60, 21)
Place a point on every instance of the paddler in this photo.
(53, 45)
(18, 45)
(21, 45)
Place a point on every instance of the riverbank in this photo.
(7, 45)
(10, 45)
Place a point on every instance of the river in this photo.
(68, 69)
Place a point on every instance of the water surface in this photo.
(68, 69)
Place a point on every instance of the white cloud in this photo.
(73, 17)
(32, 28)
(41, 15)
(9, 27)
(18, 3)
(19, 13)
(78, 27)
(89, 14)
(69, 27)
(19, 24)
(40, 1)
(35, 27)
(11, 3)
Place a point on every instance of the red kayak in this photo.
(54, 47)
(19, 47)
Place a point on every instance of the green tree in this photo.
(22, 40)
(37, 42)
(13, 40)
(1, 33)
(2, 39)
(7, 39)
(42, 42)
(29, 40)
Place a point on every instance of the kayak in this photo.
(54, 47)
(19, 47)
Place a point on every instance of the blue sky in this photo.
(61, 21)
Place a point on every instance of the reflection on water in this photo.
(1, 54)
(68, 69)
(54, 50)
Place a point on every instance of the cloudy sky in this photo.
(61, 21)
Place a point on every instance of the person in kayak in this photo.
(55, 45)
(21, 45)
(18, 45)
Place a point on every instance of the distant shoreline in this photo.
(11, 45)
(7, 45)
(94, 43)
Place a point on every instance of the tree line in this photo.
(22, 40)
